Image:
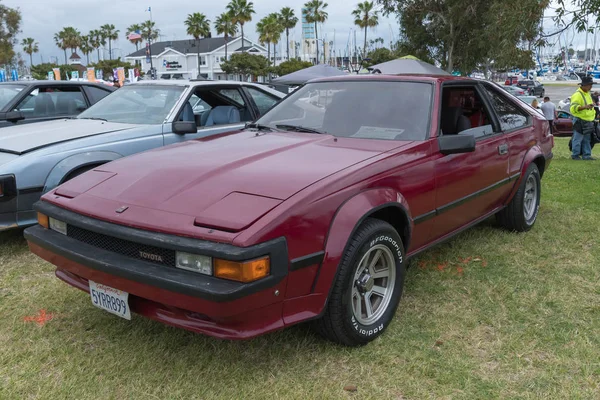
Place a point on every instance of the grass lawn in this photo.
(490, 314)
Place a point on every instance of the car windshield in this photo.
(7, 93)
(136, 104)
(389, 110)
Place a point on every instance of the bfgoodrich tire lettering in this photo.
(368, 286)
(522, 211)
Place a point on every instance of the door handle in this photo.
(503, 149)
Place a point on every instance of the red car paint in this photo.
(250, 187)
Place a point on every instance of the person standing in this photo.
(582, 110)
(549, 110)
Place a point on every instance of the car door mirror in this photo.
(13, 116)
(454, 144)
(183, 127)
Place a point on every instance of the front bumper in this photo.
(177, 297)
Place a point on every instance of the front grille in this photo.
(125, 247)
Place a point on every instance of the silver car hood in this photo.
(21, 139)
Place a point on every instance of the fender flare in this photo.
(534, 154)
(347, 219)
(67, 165)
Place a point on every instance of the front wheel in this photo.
(368, 286)
(522, 211)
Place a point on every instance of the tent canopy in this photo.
(407, 65)
(306, 74)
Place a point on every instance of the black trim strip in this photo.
(307, 261)
(31, 190)
(424, 217)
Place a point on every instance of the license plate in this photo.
(110, 299)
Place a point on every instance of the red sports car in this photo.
(309, 213)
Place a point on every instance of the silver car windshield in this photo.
(8, 92)
(136, 104)
(385, 110)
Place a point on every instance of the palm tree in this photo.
(366, 16)
(288, 21)
(241, 12)
(149, 31)
(111, 33)
(269, 30)
(72, 38)
(86, 46)
(197, 26)
(97, 40)
(60, 42)
(30, 46)
(314, 12)
(225, 26)
(132, 29)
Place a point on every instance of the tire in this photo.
(542, 93)
(522, 211)
(345, 320)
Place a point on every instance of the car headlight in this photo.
(194, 262)
(57, 226)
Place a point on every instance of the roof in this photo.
(55, 83)
(187, 46)
(74, 56)
(400, 77)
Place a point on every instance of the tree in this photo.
(379, 56)
(40, 71)
(197, 26)
(60, 42)
(10, 22)
(288, 21)
(241, 12)
(132, 29)
(465, 34)
(287, 67)
(30, 46)
(111, 33)
(86, 47)
(314, 12)
(366, 16)
(149, 30)
(246, 64)
(269, 31)
(97, 40)
(225, 26)
(566, 17)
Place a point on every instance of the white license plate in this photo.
(110, 299)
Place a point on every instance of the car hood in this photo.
(225, 183)
(20, 139)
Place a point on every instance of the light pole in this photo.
(152, 74)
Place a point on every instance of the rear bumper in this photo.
(185, 299)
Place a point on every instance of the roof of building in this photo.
(186, 46)
(74, 56)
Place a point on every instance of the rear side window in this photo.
(510, 116)
(96, 94)
(49, 101)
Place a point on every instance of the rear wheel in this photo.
(522, 211)
(368, 286)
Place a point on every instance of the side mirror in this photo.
(454, 144)
(183, 127)
(12, 116)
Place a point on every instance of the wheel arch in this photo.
(75, 162)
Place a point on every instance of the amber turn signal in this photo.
(43, 220)
(247, 271)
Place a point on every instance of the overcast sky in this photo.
(41, 19)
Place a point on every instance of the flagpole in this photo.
(150, 44)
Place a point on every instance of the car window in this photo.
(510, 116)
(233, 94)
(51, 101)
(365, 110)
(263, 101)
(463, 109)
(96, 94)
(9, 92)
(562, 114)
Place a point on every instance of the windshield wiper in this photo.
(94, 118)
(260, 127)
(300, 128)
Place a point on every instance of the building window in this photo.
(202, 60)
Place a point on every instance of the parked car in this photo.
(565, 104)
(25, 102)
(137, 117)
(310, 213)
(532, 87)
(514, 90)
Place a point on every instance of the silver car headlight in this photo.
(194, 262)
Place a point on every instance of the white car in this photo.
(565, 104)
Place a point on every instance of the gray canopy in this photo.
(407, 66)
(306, 74)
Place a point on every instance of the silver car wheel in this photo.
(530, 198)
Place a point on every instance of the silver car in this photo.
(35, 158)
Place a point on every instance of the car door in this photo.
(563, 125)
(44, 103)
(470, 185)
(199, 105)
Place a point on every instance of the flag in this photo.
(149, 9)
(135, 35)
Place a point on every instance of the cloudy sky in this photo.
(43, 18)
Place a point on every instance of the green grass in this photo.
(519, 320)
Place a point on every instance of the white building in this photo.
(179, 58)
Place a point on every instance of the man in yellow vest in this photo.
(583, 112)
